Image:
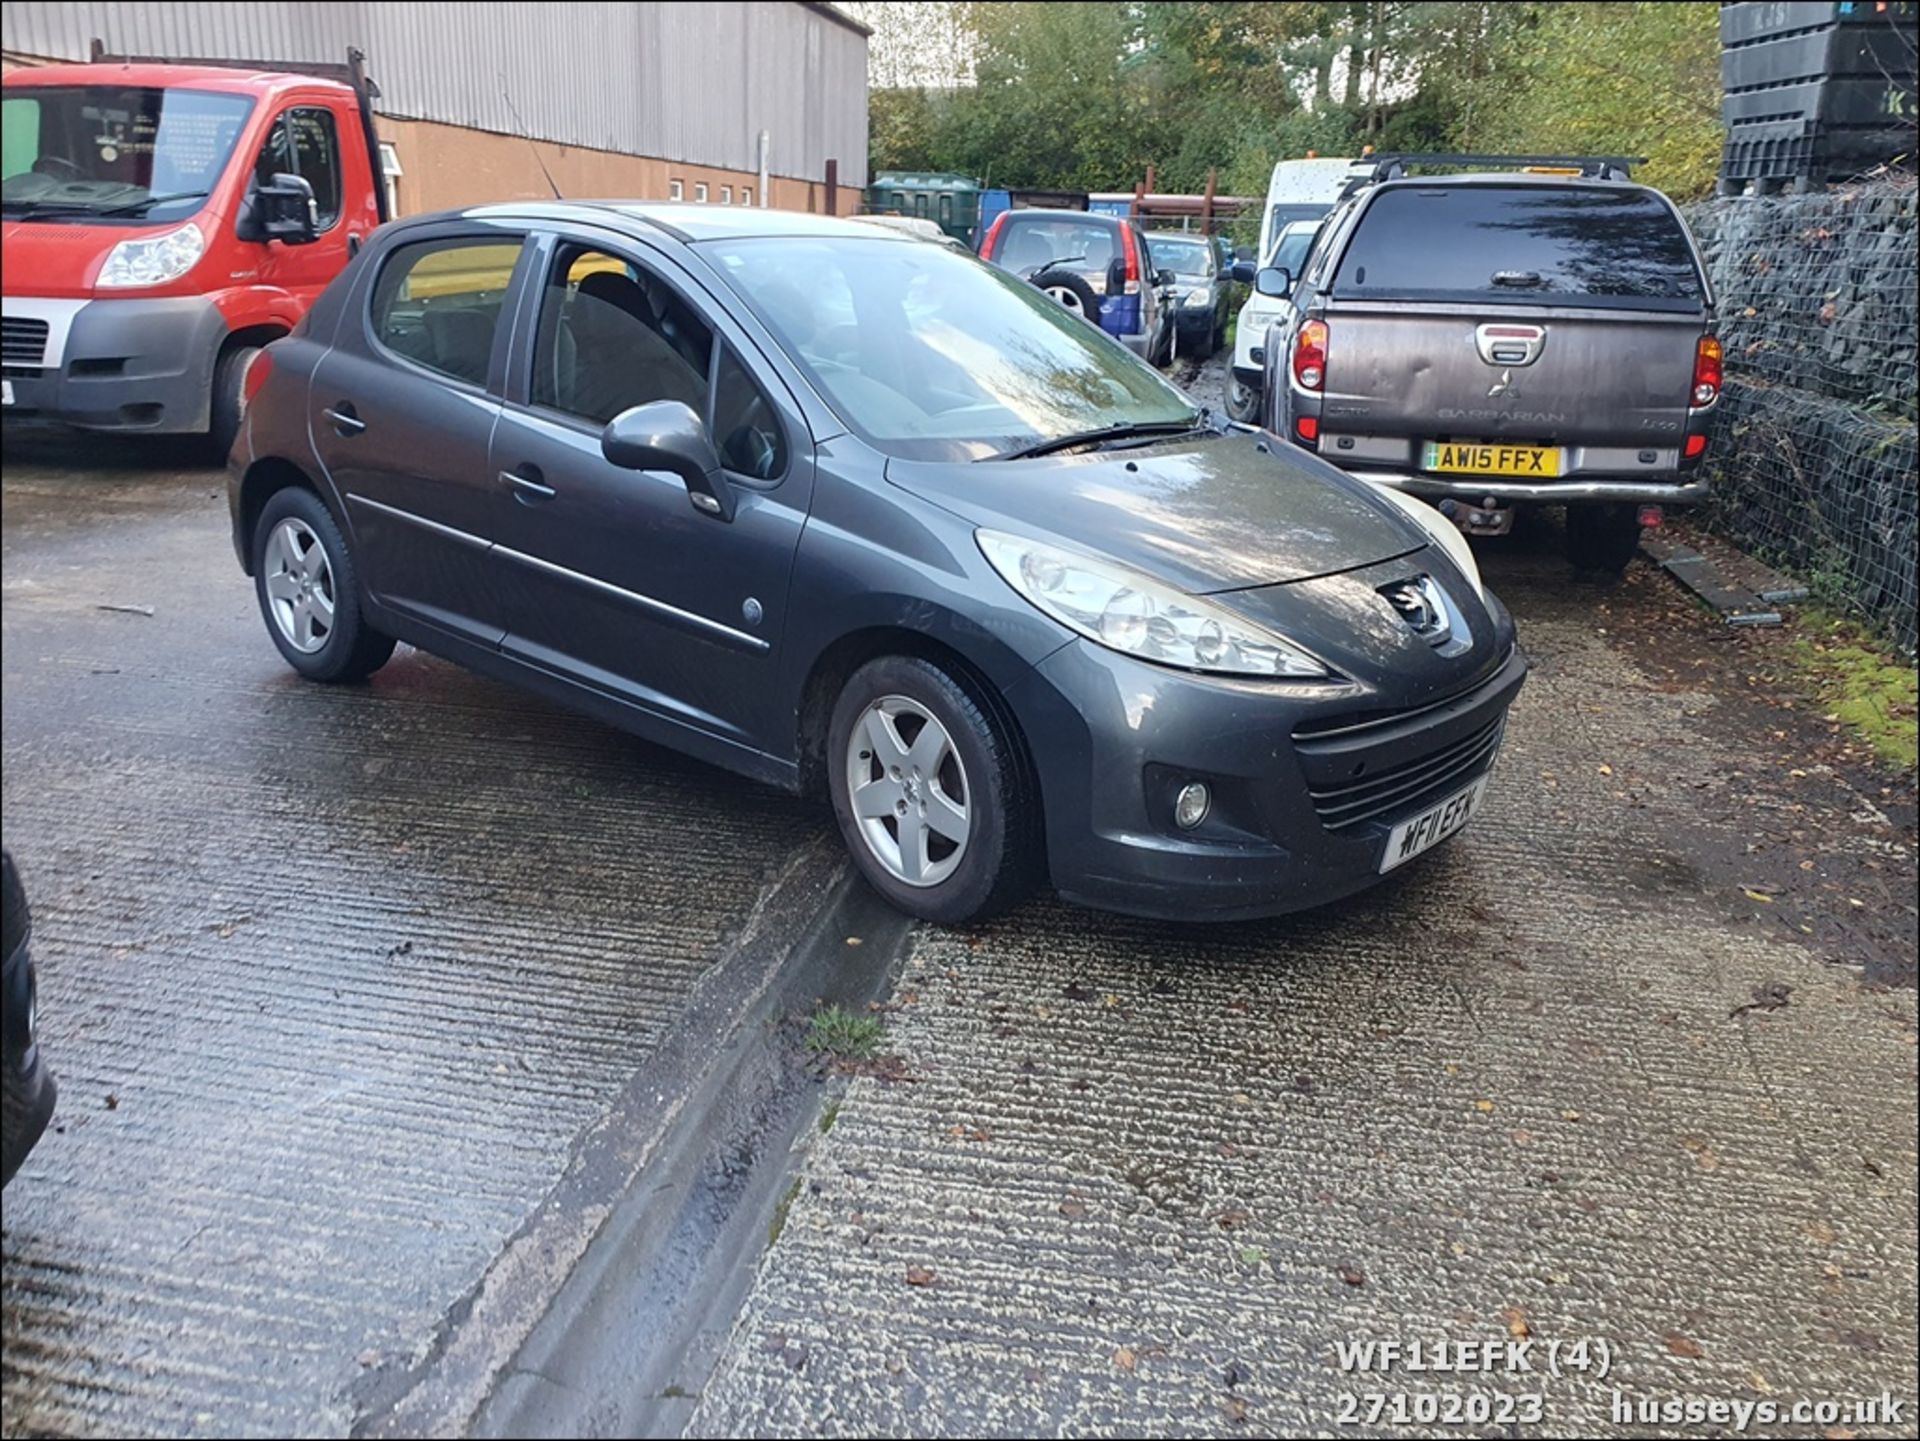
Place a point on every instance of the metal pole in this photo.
(833, 187)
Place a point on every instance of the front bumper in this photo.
(1116, 738)
(117, 364)
(1643, 490)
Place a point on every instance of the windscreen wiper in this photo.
(128, 207)
(1103, 435)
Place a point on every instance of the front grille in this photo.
(23, 341)
(1410, 783)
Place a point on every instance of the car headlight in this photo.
(1197, 298)
(1444, 532)
(153, 259)
(1137, 615)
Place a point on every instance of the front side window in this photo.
(613, 335)
(304, 142)
(438, 303)
(123, 153)
(932, 356)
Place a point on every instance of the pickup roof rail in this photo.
(1592, 167)
(353, 74)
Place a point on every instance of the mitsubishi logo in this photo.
(1504, 388)
(1428, 612)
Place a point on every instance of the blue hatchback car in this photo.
(1098, 266)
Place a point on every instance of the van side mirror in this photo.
(1274, 280)
(667, 435)
(286, 211)
(1243, 271)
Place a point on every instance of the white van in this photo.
(1245, 375)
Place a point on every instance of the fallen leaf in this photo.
(1485, 1108)
(1073, 1210)
(1606, 770)
(1125, 1358)
(855, 941)
(920, 1276)
(1516, 1320)
(1683, 1346)
(368, 1358)
(113, 1101)
(1235, 1410)
(1232, 1219)
(1760, 896)
(1823, 1233)
(1352, 1275)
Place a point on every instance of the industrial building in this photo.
(721, 103)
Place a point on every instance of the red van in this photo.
(164, 221)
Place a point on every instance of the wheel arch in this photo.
(264, 479)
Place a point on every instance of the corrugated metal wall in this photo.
(695, 82)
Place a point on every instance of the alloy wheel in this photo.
(299, 585)
(908, 791)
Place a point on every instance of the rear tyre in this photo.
(309, 591)
(934, 797)
(1602, 537)
(229, 405)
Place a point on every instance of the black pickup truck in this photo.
(1542, 334)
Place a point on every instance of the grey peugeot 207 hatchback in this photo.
(848, 512)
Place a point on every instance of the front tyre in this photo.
(1243, 402)
(934, 798)
(1602, 537)
(309, 591)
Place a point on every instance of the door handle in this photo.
(527, 488)
(343, 420)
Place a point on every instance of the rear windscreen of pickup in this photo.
(1521, 243)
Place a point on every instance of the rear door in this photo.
(402, 411)
(1554, 315)
(611, 577)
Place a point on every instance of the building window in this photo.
(726, 195)
(390, 172)
(676, 190)
(700, 192)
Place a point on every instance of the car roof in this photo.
(1483, 178)
(1037, 212)
(692, 223)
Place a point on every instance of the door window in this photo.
(612, 336)
(438, 303)
(305, 142)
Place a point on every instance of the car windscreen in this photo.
(1281, 216)
(1183, 257)
(930, 355)
(129, 153)
(1520, 243)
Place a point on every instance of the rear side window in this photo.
(1515, 243)
(438, 303)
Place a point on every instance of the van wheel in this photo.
(229, 406)
(1602, 537)
(309, 591)
(933, 795)
(1243, 402)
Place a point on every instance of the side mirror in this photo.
(1164, 279)
(286, 210)
(667, 435)
(1243, 272)
(1274, 280)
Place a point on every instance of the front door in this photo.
(611, 576)
(306, 140)
(402, 411)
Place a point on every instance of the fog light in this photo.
(1190, 807)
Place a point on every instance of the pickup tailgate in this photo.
(1509, 373)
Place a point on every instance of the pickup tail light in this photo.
(1696, 446)
(1310, 355)
(257, 375)
(1708, 368)
(1307, 427)
(988, 245)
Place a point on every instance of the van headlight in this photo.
(1136, 615)
(153, 259)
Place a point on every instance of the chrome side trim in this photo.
(460, 536)
(727, 633)
(1470, 487)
